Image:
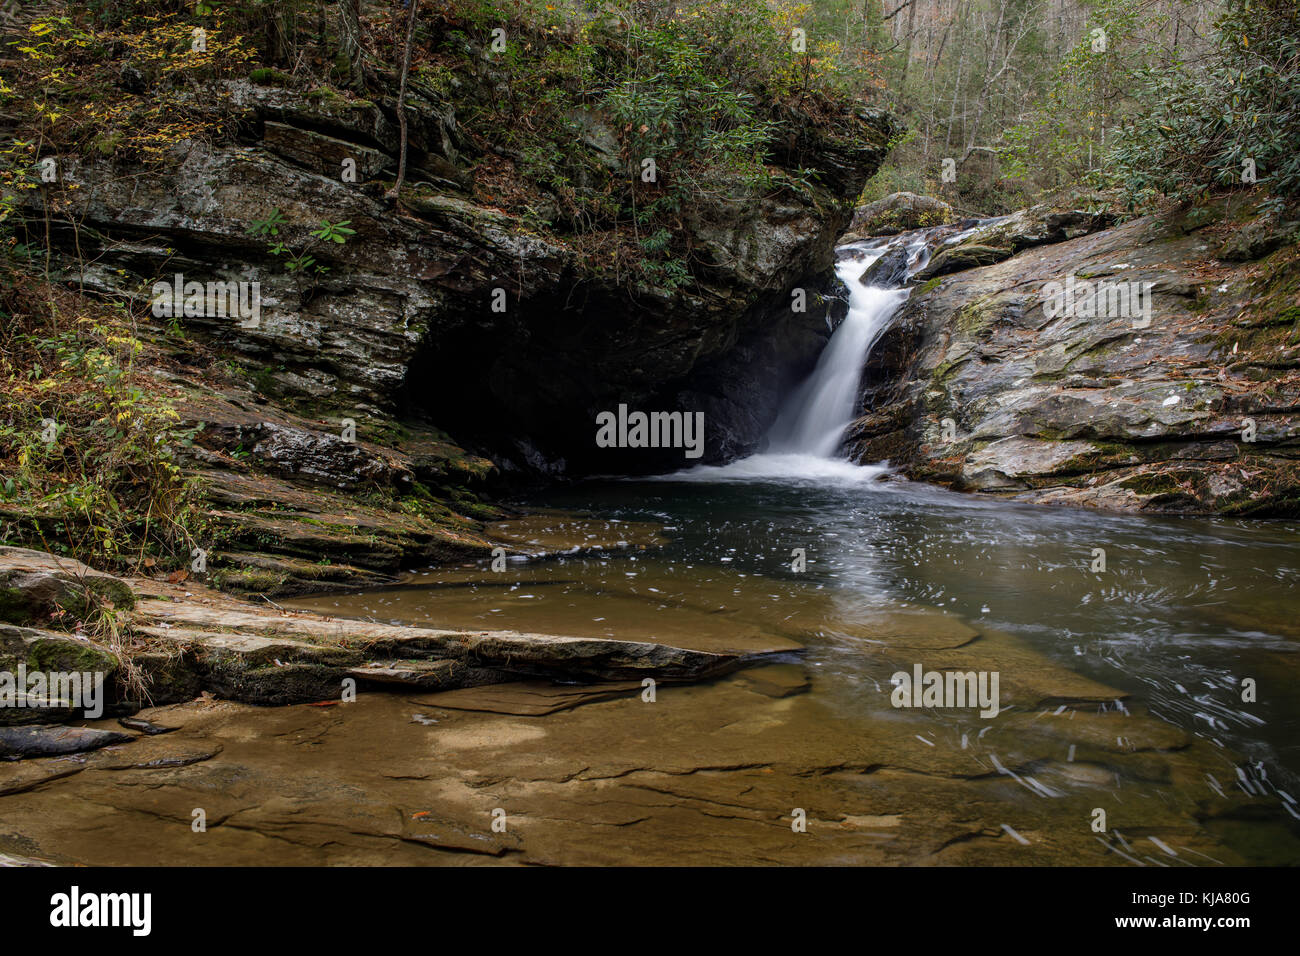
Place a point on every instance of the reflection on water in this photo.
(1185, 611)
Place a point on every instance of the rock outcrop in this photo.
(331, 427)
(19, 742)
(35, 585)
(186, 640)
(895, 213)
(29, 650)
(447, 309)
(1002, 237)
(1188, 406)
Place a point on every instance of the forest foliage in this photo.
(1157, 99)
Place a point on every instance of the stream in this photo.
(1125, 732)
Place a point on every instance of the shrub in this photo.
(87, 438)
(1201, 126)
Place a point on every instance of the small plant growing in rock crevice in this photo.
(301, 261)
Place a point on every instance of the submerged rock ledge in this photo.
(188, 639)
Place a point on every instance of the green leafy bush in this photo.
(1203, 127)
(88, 438)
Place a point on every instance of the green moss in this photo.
(974, 317)
(80, 599)
(1269, 506)
(333, 101)
(66, 654)
(1272, 319)
(943, 368)
(1156, 483)
(267, 76)
(106, 143)
(14, 608)
(1288, 316)
(255, 581)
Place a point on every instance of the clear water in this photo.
(1186, 612)
(1186, 609)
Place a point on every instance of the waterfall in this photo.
(813, 419)
(804, 441)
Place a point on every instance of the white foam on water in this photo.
(783, 467)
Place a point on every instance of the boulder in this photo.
(966, 255)
(996, 239)
(897, 213)
(890, 269)
(17, 743)
(1257, 238)
(47, 652)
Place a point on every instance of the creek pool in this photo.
(1186, 613)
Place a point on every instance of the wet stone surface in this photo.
(708, 773)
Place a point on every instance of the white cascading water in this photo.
(805, 440)
(815, 417)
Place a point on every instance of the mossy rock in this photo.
(267, 76)
(897, 212)
(34, 585)
(965, 256)
(55, 652)
(107, 143)
(47, 652)
(1158, 482)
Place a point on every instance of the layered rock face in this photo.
(450, 310)
(1176, 390)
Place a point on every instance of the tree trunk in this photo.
(350, 41)
(907, 47)
(401, 101)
